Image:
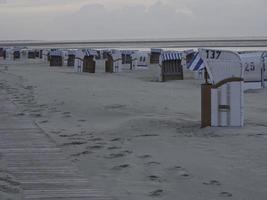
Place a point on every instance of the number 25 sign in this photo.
(250, 67)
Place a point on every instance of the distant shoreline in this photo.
(142, 43)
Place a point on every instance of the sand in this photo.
(9, 187)
(136, 138)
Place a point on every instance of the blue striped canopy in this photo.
(167, 56)
(196, 63)
(90, 52)
(71, 52)
(55, 53)
(128, 52)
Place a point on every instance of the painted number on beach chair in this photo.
(250, 67)
(213, 54)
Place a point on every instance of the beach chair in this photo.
(16, 54)
(1, 52)
(265, 69)
(155, 56)
(113, 63)
(31, 54)
(78, 64)
(222, 95)
(89, 63)
(37, 53)
(171, 66)
(254, 67)
(56, 58)
(71, 58)
(140, 60)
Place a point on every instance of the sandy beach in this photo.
(136, 138)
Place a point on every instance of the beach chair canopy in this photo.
(72, 52)
(171, 55)
(56, 53)
(90, 52)
(79, 54)
(222, 65)
(196, 64)
(128, 52)
(156, 50)
(116, 56)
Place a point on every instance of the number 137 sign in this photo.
(213, 54)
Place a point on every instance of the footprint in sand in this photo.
(115, 106)
(75, 160)
(113, 148)
(81, 120)
(55, 132)
(37, 115)
(156, 193)
(44, 122)
(146, 156)
(66, 114)
(8, 189)
(127, 152)
(212, 183)
(53, 110)
(20, 114)
(81, 153)
(177, 167)
(152, 163)
(95, 139)
(101, 143)
(43, 106)
(72, 135)
(147, 135)
(118, 155)
(225, 194)
(64, 136)
(154, 178)
(115, 155)
(257, 135)
(9, 180)
(74, 143)
(120, 139)
(182, 172)
(60, 103)
(36, 111)
(116, 139)
(28, 87)
(16, 97)
(75, 138)
(120, 167)
(95, 147)
(9, 185)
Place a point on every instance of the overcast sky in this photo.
(131, 19)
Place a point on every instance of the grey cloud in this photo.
(94, 21)
(171, 19)
(209, 18)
